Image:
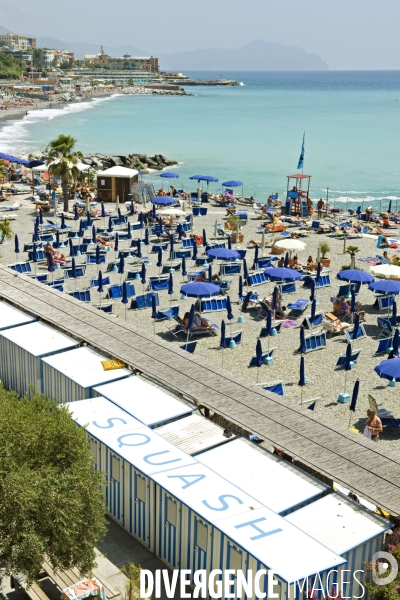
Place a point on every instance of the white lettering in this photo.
(146, 591)
(334, 585)
(157, 590)
(319, 589)
(359, 582)
(215, 587)
(185, 573)
(342, 581)
(228, 583)
(170, 587)
(244, 586)
(257, 592)
(200, 581)
(271, 583)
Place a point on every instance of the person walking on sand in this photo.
(320, 207)
(373, 425)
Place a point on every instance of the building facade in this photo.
(17, 42)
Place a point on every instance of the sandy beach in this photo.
(325, 381)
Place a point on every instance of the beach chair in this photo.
(345, 290)
(236, 337)
(188, 242)
(315, 322)
(46, 237)
(311, 404)
(167, 313)
(171, 265)
(385, 302)
(265, 262)
(80, 271)
(214, 304)
(94, 282)
(297, 308)
(315, 225)
(315, 341)
(287, 288)
(189, 347)
(384, 345)
(385, 326)
(22, 268)
(107, 308)
(329, 325)
(155, 248)
(264, 331)
(381, 412)
(230, 269)
(179, 254)
(360, 334)
(144, 301)
(257, 278)
(41, 278)
(341, 361)
(196, 211)
(40, 255)
(323, 281)
(115, 291)
(199, 262)
(203, 211)
(82, 295)
(158, 283)
(91, 259)
(268, 354)
(276, 388)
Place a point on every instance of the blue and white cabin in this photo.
(347, 528)
(129, 453)
(73, 375)
(150, 404)
(22, 350)
(205, 522)
(266, 477)
(12, 317)
(193, 434)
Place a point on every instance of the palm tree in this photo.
(352, 250)
(3, 170)
(62, 160)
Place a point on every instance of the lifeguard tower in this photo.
(298, 190)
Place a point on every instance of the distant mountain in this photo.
(3, 30)
(259, 55)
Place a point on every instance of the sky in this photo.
(347, 34)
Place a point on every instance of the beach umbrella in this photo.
(154, 314)
(138, 249)
(110, 226)
(356, 326)
(120, 219)
(240, 293)
(153, 211)
(393, 319)
(290, 245)
(63, 225)
(353, 301)
(385, 286)
(312, 295)
(94, 238)
(259, 357)
(170, 287)
(76, 215)
(183, 268)
(256, 256)
(169, 175)
(129, 233)
(159, 258)
(81, 228)
(263, 240)
(302, 348)
(230, 316)
(163, 201)
(16, 245)
(204, 238)
(386, 270)
(37, 222)
(354, 397)
(58, 239)
(210, 272)
(190, 322)
(389, 369)
(100, 288)
(223, 253)
(194, 253)
(88, 219)
(281, 273)
(34, 255)
(97, 256)
(245, 272)
(313, 309)
(232, 183)
(229, 240)
(286, 263)
(146, 237)
(222, 340)
(121, 266)
(71, 247)
(395, 343)
(116, 244)
(171, 245)
(275, 298)
(35, 236)
(302, 380)
(389, 210)
(207, 178)
(124, 298)
(319, 268)
(50, 265)
(179, 230)
(41, 216)
(355, 276)
(103, 211)
(200, 289)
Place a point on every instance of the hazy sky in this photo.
(347, 34)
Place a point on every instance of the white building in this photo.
(47, 57)
(15, 41)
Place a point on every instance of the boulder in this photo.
(116, 161)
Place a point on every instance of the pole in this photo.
(302, 168)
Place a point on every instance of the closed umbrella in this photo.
(120, 219)
(171, 246)
(81, 228)
(395, 342)
(71, 247)
(153, 211)
(34, 255)
(131, 209)
(146, 237)
(318, 275)
(121, 266)
(313, 309)
(204, 238)
(356, 326)
(16, 246)
(63, 225)
(143, 275)
(269, 325)
(245, 272)
(100, 285)
(347, 364)
(141, 220)
(240, 294)
(194, 254)
(210, 273)
(312, 295)
(50, 265)
(286, 263)
(394, 314)
(94, 238)
(302, 348)
(179, 230)
(170, 288)
(116, 244)
(129, 233)
(124, 298)
(183, 268)
(256, 257)
(103, 211)
(302, 380)
(41, 216)
(138, 249)
(229, 240)
(76, 214)
(259, 357)
(354, 397)
(222, 340)
(58, 243)
(230, 317)
(97, 255)
(110, 226)
(154, 314)
(159, 259)
(190, 322)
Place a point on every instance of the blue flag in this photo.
(301, 159)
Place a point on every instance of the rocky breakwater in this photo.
(140, 162)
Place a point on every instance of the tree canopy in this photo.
(10, 68)
(62, 159)
(51, 497)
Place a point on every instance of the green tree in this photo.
(62, 160)
(51, 497)
(10, 68)
(37, 57)
(387, 591)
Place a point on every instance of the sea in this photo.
(252, 133)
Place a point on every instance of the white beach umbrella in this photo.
(385, 270)
(172, 212)
(290, 245)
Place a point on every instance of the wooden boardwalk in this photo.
(371, 471)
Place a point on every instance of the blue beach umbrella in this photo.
(190, 321)
(353, 301)
(354, 397)
(73, 269)
(100, 288)
(76, 215)
(124, 298)
(146, 237)
(210, 274)
(240, 292)
(131, 208)
(170, 285)
(50, 266)
(63, 225)
(204, 238)
(229, 315)
(163, 200)
(282, 273)
(58, 239)
(71, 247)
(103, 211)
(94, 238)
(356, 326)
(34, 255)
(169, 175)
(141, 220)
(319, 268)
(232, 183)
(120, 219)
(229, 241)
(110, 226)
(275, 298)
(355, 276)
(153, 211)
(37, 222)
(16, 245)
(302, 348)
(393, 319)
(143, 274)
(223, 335)
(389, 369)
(179, 230)
(395, 342)
(129, 233)
(312, 295)
(97, 256)
(385, 286)
(194, 253)
(259, 357)
(171, 245)
(302, 380)
(41, 216)
(138, 249)
(121, 265)
(347, 362)
(286, 263)
(116, 243)
(245, 271)
(200, 289)
(81, 228)
(154, 314)
(389, 210)
(256, 257)
(207, 178)
(159, 258)
(183, 268)
(313, 309)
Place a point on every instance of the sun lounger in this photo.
(385, 302)
(298, 307)
(315, 322)
(91, 259)
(157, 247)
(359, 335)
(188, 243)
(257, 278)
(167, 313)
(230, 269)
(381, 412)
(144, 301)
(214, 304)
(268, 354)
(276, 388)
(82, 295)
(180, 330)
(287, 288)
(236, 337)
(189, 347)
(388, 422)
(322, 281)
(264, 331)
(115, 292)
(80, 271)
(158, 283)
(341, 361)
(314, 341)
(21, 267)
(386, 327)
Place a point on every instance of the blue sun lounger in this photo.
(276, 388)
(297, 308)
(360, 334)
(82, 295)
(385, 345)
(230, 269)
(144, 301)
(257, 278)
(181, 254)
(385, 302)
(158, 283)
(167, 313)
(21, 267)
(214, 304)
(323, 281)
(341, 361)
(80, 271)
(315, 322)
(268, 354)
(189, 347)
(314, 341)
(236, 336)
(264, 332)
(115, 291)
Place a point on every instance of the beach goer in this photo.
(344, 305)
(311, 265)
(281, 262)
(200, 323)
(368, 212)
(387, 257)
(204, 277)
(373, 425)
(320, 206)
(57, 256)
(309, 206)
(337, 306)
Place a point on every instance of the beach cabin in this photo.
(129, 453)
(12, 317)
(193, 434)
(266, 477)
(22, 350)
(146, 402)
(116, 181)
(205, 522)
(73, 375)
(346, 528)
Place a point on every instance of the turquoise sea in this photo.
(252, 133)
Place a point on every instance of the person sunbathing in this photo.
(389, 258)
(311, 265)
(215, 277)
(198, 322)
(358, 310)
(104, 243)
(58, 257)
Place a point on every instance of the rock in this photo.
(116, 161)
(87, 161)
(122, 158)
(153, 164)
(170, 162)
